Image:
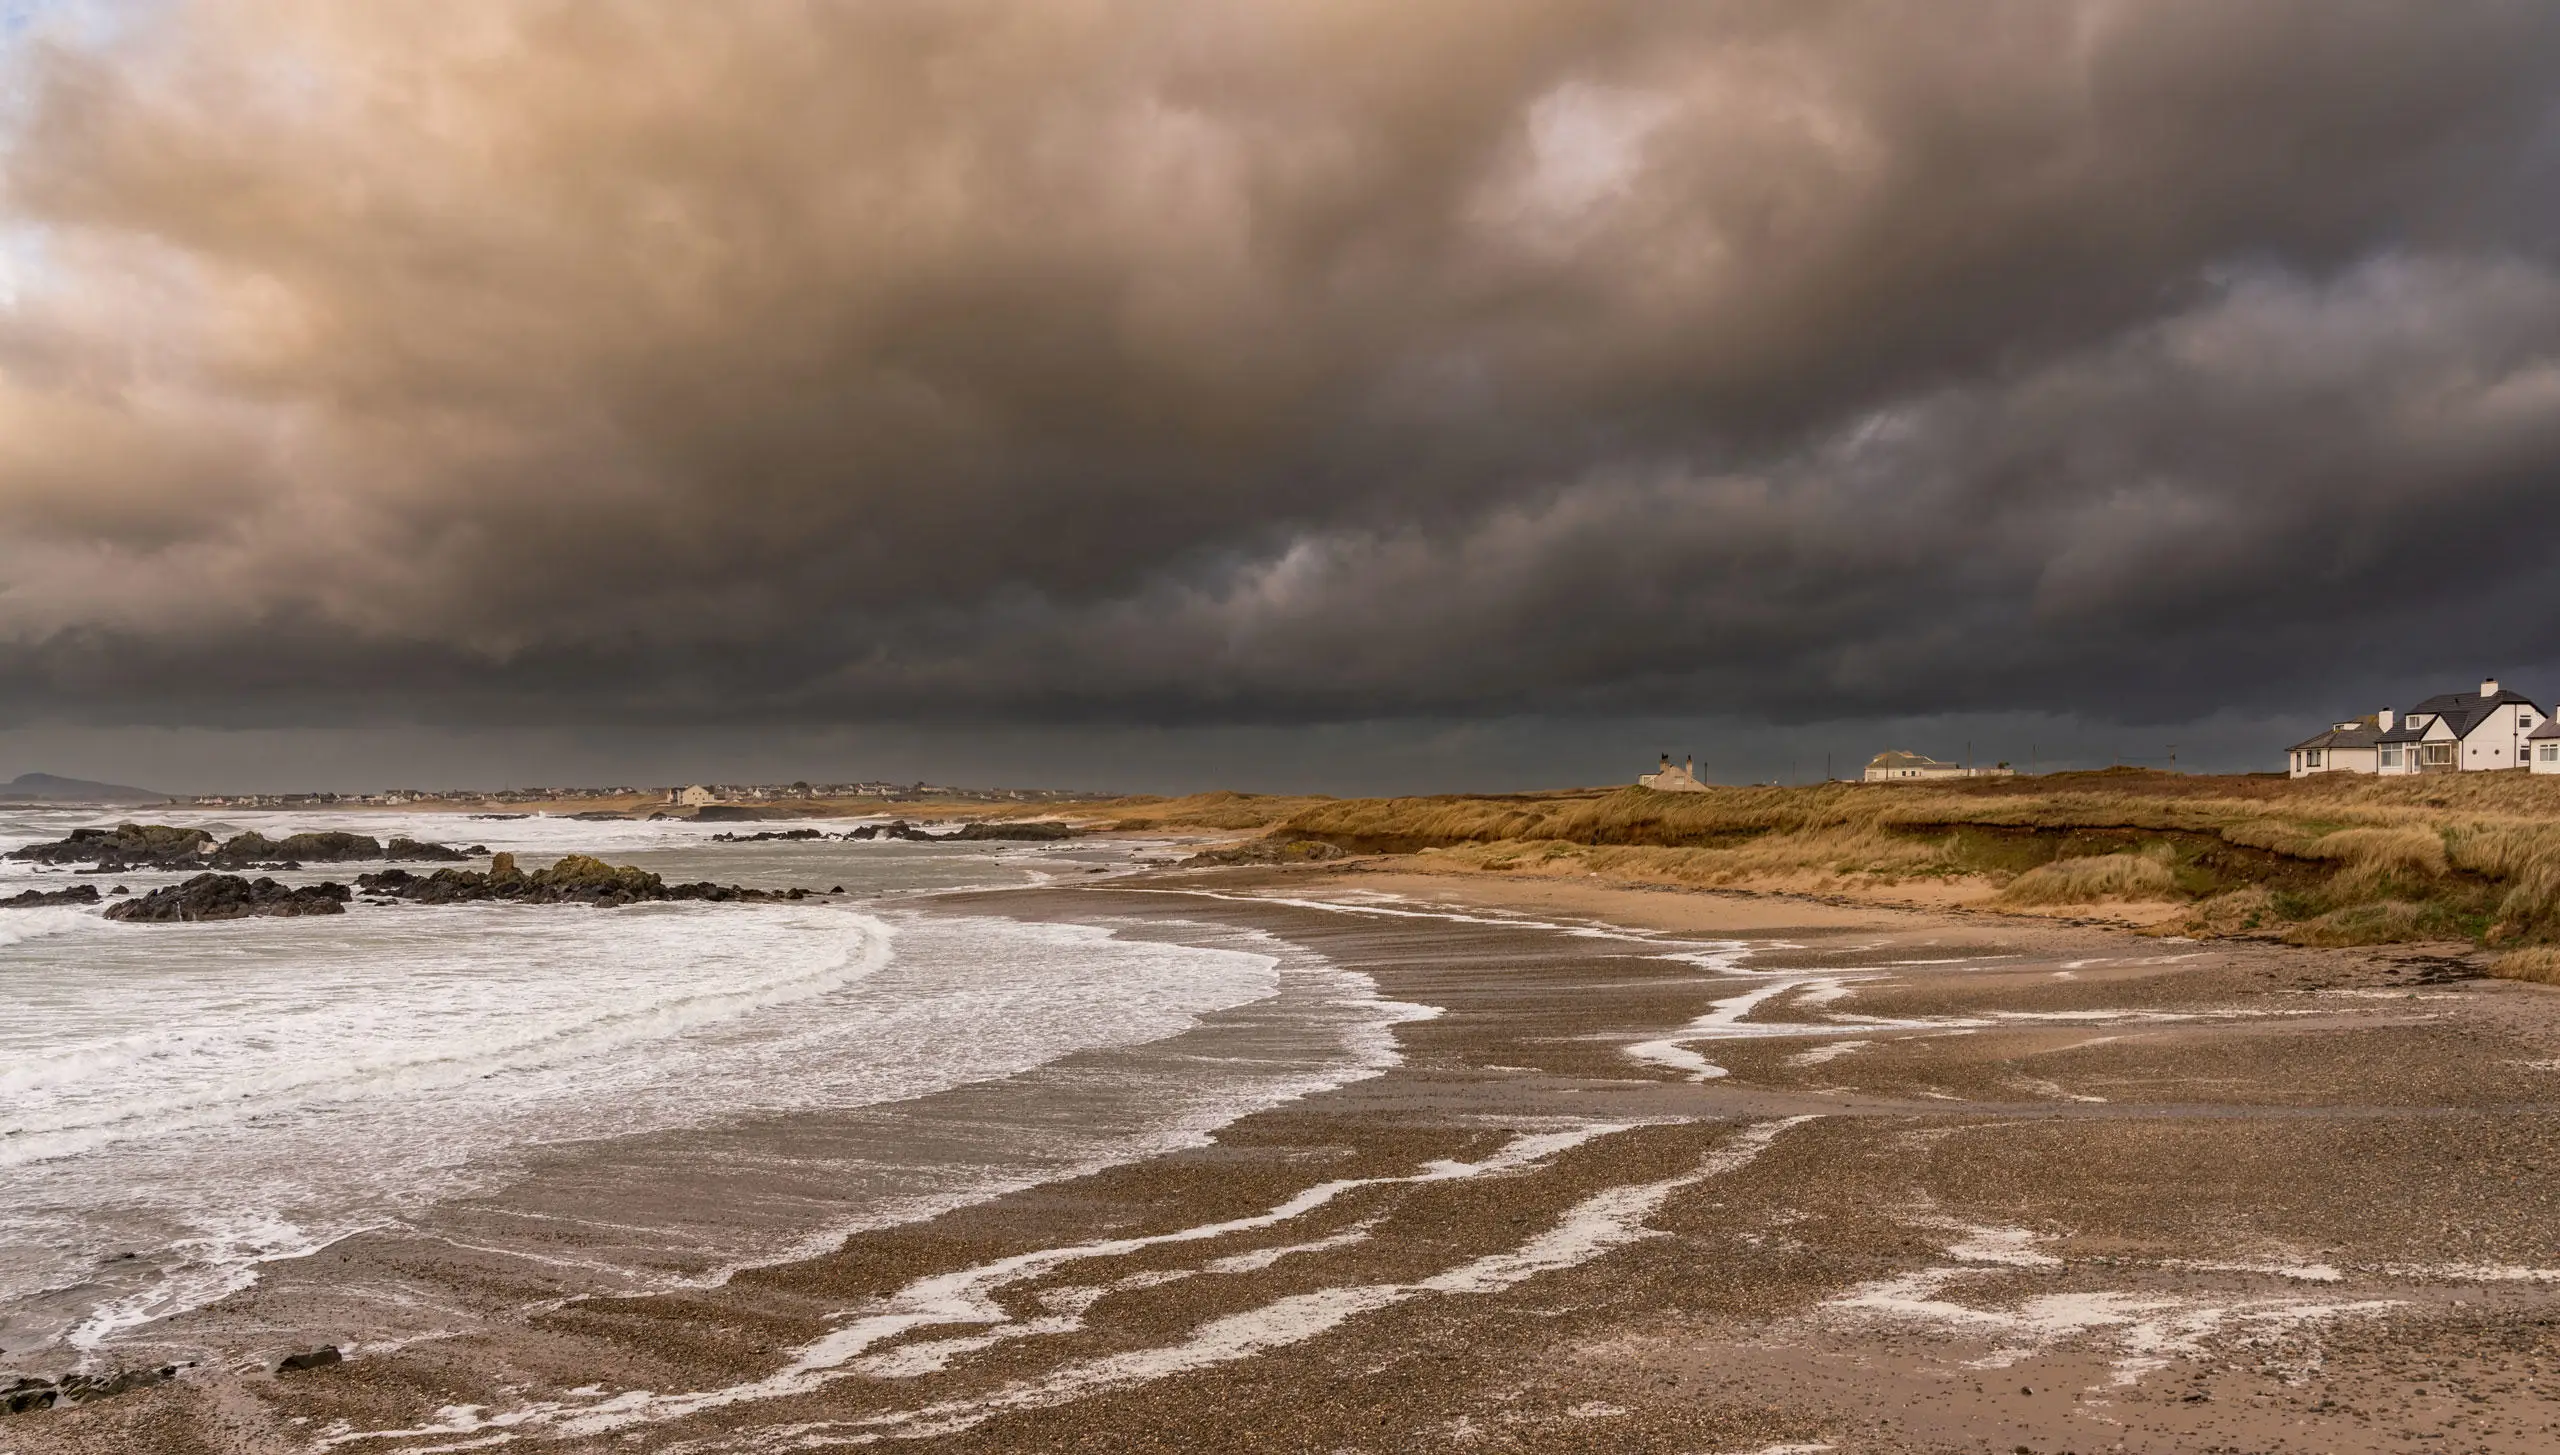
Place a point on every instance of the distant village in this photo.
(698, 795)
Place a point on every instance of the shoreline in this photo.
(1976, 1048)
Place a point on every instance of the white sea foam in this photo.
(218, 1096)
(1607, 1220)
(2147, 1328)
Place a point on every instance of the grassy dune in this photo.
(2336, 860)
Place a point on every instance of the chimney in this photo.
(2488, 686)
(2383, 719)
(1666, 763)
(1692, 768)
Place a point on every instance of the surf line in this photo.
(1607, 1220)
(1728, 1019)
(1598, 1224)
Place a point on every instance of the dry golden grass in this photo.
(2339, 859)
(2537, 963)
(2094, 879)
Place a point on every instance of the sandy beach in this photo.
(1660, 1171)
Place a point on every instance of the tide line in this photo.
(967, 1296)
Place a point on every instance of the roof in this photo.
(1897, 758)
(2547, 731)
(2364, 732)
(2463, 711)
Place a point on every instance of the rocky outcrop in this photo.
(577, 879)
(329, 846)
(1038, 832)
(228, 896)
(320, 1358)
(160, 846)
(1270, 851)
(782, 836)
(48, 899)
(26, 1396)
(419, 851)
(126, 846)
(1044, 831)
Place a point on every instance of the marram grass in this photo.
(2339, 859)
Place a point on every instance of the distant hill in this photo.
(46, 788)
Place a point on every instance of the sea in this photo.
(185, 1106)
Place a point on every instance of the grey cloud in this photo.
(1257, 363)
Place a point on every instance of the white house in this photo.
(2544, 741)
(1895, 766)
(1668, 779)
(696, 796)
(2454, 732)
(2347, 747)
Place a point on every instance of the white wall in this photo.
(2498, 741)
(2334, 760)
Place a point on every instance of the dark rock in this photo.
(494, 817)
(788, 836)
(1271, 851)
(1039, 832)
(328, 846)
(82, 1388)
(228, 896)
(119, 889)
(736, 813)
(127, 845)
(320, 1358)
(43, 899)
(28, 1395)
(417, 851)
(1036, 832)
(576, 879)
(600, 815)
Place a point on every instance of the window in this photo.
(2547, 752)
(2435, 755)
(2391, 757)
(2311, 758)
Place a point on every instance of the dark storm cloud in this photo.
(562, 360)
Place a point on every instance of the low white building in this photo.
(2347, 747)
(1896, 766)
(696, 796)
(1668, 779)
(2544, 743)
(2453, 732)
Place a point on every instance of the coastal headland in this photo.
(1657, 1169)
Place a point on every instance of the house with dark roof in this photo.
(2453, 732)
(2544, 742)
(2347, 747)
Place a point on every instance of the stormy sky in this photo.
(1446, 393)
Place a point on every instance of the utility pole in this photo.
(2173, 757)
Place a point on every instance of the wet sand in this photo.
(1837, 1178)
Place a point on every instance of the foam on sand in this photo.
(2148, 1328)
(1604, 1221)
